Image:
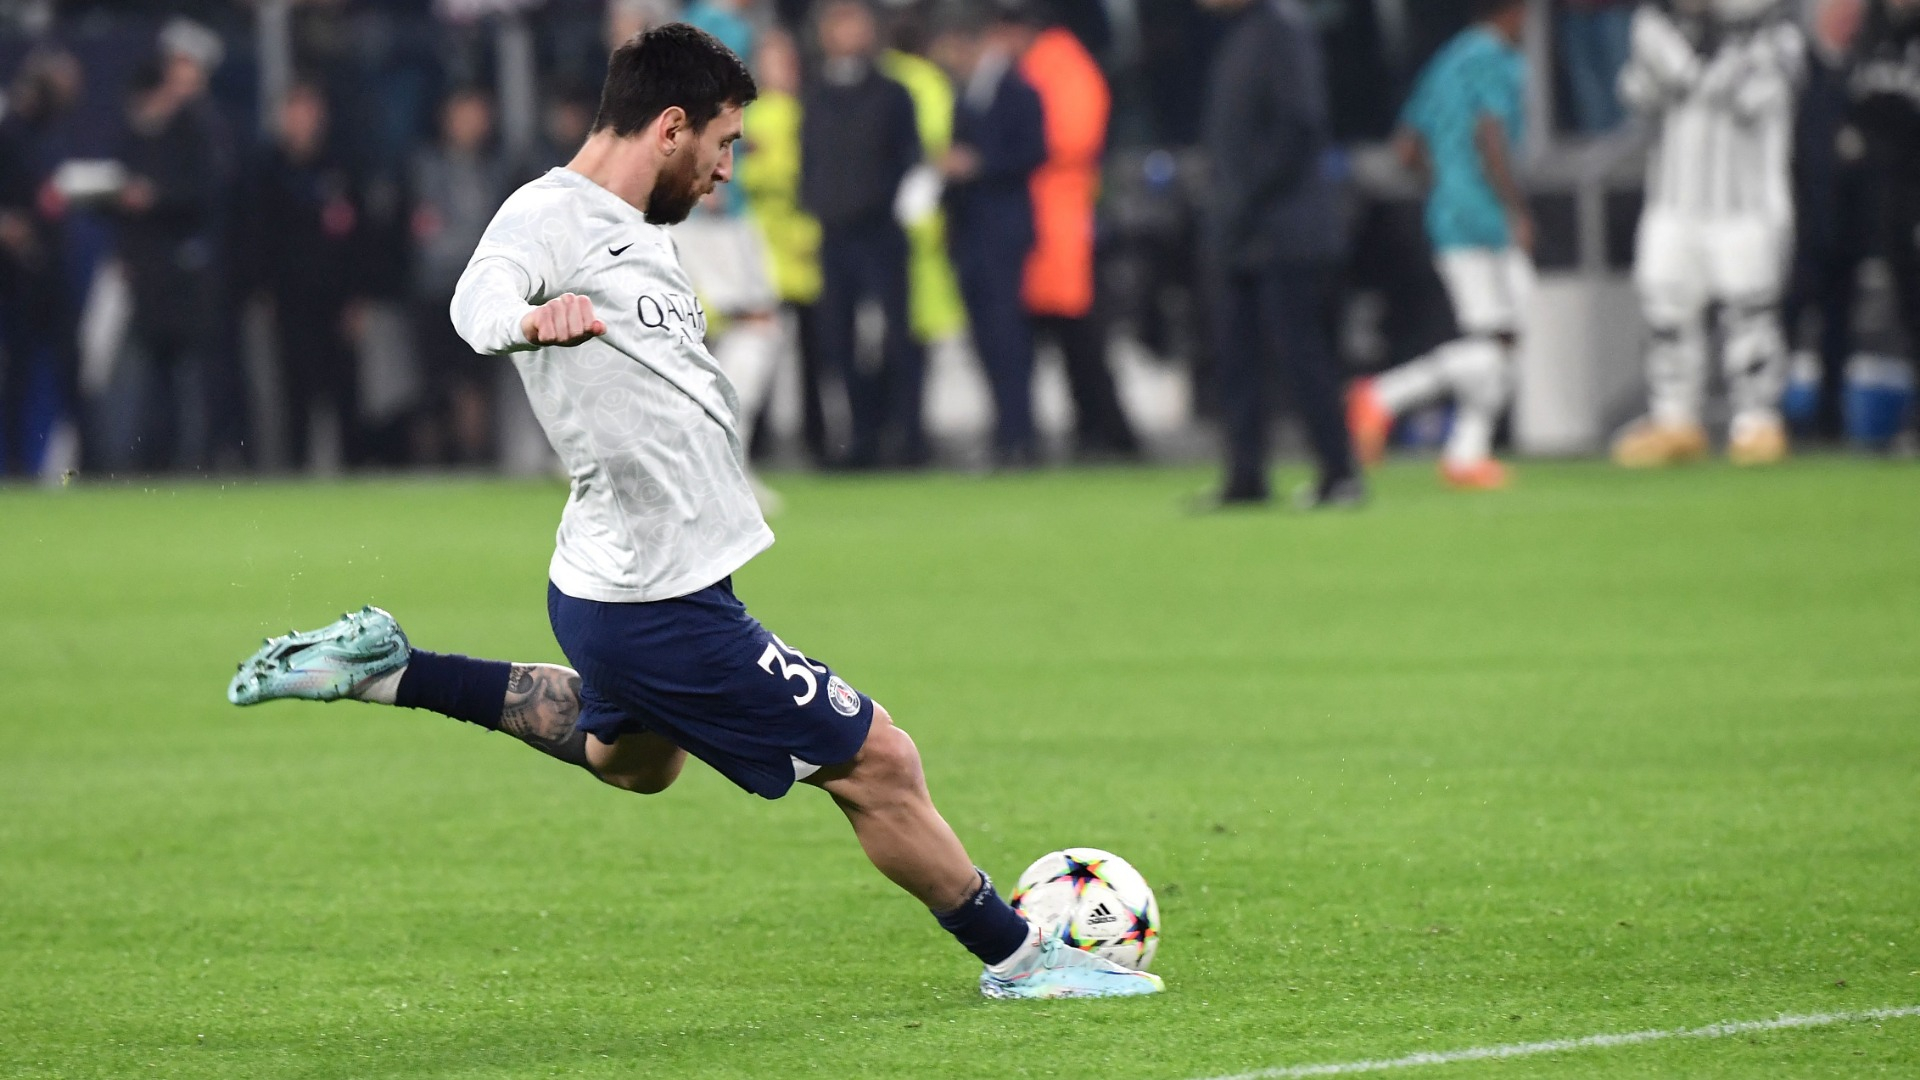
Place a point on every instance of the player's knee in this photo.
(889, 760)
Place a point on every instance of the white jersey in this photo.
(1725, 114)
(643, 418)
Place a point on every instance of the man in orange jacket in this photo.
(1058, 290)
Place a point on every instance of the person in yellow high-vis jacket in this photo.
(937, 312)
(769, 178)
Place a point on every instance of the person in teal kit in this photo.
(1461, 130)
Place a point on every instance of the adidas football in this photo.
(1093, 900)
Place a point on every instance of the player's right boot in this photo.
(325, 664)
(1483, 475)
(1368, 422)
(1649, 444)
(1058, 970)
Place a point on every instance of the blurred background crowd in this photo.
(229, 231)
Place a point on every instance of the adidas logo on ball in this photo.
(1101, 915)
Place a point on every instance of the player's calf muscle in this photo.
(542, 709)
(641, 762)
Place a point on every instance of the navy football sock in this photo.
(456, 686)
(985, 924)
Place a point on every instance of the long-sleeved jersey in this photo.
(644, 420)
(1723, 101)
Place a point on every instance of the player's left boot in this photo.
(325, 664)
(1483, 475)
(1757, 439)
(1058, 970)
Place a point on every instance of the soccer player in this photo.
(1719, 80)
(577, 280)
(1460, 129)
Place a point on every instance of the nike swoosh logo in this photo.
(617, 252)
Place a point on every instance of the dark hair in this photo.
(669, 65)
(1487, 9)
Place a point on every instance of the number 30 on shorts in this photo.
(776, 656)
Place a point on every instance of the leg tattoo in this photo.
(542, 709)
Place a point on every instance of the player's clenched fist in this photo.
(565, 320)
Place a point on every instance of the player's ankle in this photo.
(985, 925)
(381, 689)
(1022, 957)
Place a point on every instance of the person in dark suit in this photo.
(168, 217)
(36, 309)
(299, 246)
(999, 140)
(1886, 111)
(1833, 201)
(858, 140)
(1273, 242)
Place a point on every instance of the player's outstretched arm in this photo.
(564, 321)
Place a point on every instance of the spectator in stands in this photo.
(935, 309)
(999, 140)
(564, 123)
(625, 18)
(1594, 43)
(857, 143)
(298, 244)
(36, 317)
(457, 185)
(1274, 242)
(770, 181)
(729, 20)
(168, 214)
(1059, 288)
(191, 53)
(1832, 207)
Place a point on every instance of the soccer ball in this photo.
(1093, 900)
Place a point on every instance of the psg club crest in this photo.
(845, 700)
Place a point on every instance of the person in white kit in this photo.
(578, 281)
(1719, 80)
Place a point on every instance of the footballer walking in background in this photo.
(1460, 130)
(1719, 80)
(577, 280)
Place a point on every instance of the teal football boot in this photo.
(325, 664)
(1058, 970)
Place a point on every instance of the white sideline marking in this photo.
(1590, 1042)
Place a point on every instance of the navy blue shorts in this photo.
(705, 675)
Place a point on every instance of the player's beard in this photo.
(676, 191)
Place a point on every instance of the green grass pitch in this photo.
(1604, 753)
